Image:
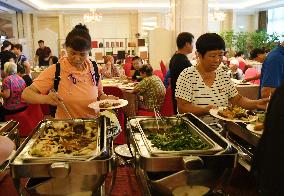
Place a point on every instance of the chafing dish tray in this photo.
(205, 144)
(63, 140)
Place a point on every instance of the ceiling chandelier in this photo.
(93, 16)
(217, 15)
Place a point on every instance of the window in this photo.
(275, 20)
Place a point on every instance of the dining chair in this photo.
(28, 119)
(115, 91)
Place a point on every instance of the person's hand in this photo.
(262, 103)
(46, 59)
(209, 107)
(52, 98)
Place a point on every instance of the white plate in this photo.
(95, 105)
(250, 127)
(123, 150)
(214, 112)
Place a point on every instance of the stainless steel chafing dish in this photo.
(244, 140)
(64, 176)
(10, 129)
(161, 175)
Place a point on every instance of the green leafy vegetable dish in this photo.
(178, 137)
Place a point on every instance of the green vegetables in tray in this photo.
(177, 138)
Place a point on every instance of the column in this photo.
(191, 16)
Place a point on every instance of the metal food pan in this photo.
(151, 124)
(39, 130)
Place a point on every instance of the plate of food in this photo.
(108, 104)
(258, 126)
(234, 114)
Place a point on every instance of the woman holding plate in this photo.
(206, 86)
(79, 85)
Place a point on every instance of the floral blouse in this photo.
(153, 92)
(16, 85)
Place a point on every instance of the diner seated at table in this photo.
(151, 90)
(252, 74)
(235, 72)
(136, 65)
(12, 88)
(206, 86)
(21, 72)
(110, 70)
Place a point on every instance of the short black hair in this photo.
(183, 38)
(240, 53)
(208, 42)
(40, 41)
(147, 68)
(255, 52)
(79, 38)
(18, 46)
(136, 58)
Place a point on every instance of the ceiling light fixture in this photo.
(93, 16)
(216, 14)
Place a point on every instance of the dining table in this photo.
(247, 89)
(126, 86)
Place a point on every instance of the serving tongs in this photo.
(158, 118)
(63, 105)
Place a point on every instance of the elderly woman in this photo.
(12, 88)
(110, 69)
(77, 83)
(235, 72)
(206, 85)
(151, 90)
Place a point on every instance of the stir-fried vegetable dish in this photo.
(178, 137)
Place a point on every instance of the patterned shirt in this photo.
(153, 91)
(16, 85)
(190, 87)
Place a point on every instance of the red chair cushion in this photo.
(45, 109)
(127, 68)
(145, 113)
(167, 107)
(112, 90)
(27, 119)
(163, 68)
(242, 66)
(159, 73)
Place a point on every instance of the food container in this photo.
(149, 126)
(244, 140)
(64, 175)
(161, 175)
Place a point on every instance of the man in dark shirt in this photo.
(42, 54)
(179, 60)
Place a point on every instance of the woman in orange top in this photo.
(77, 87)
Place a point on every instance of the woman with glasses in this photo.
(206, 85)
(78, 83)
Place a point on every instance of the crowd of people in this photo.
(197, 86)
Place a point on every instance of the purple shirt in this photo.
(16, 85)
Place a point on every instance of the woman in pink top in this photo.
(77, 87)
(12, 88)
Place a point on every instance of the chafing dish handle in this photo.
(114, 131)
(192, 162)
(59, 169)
